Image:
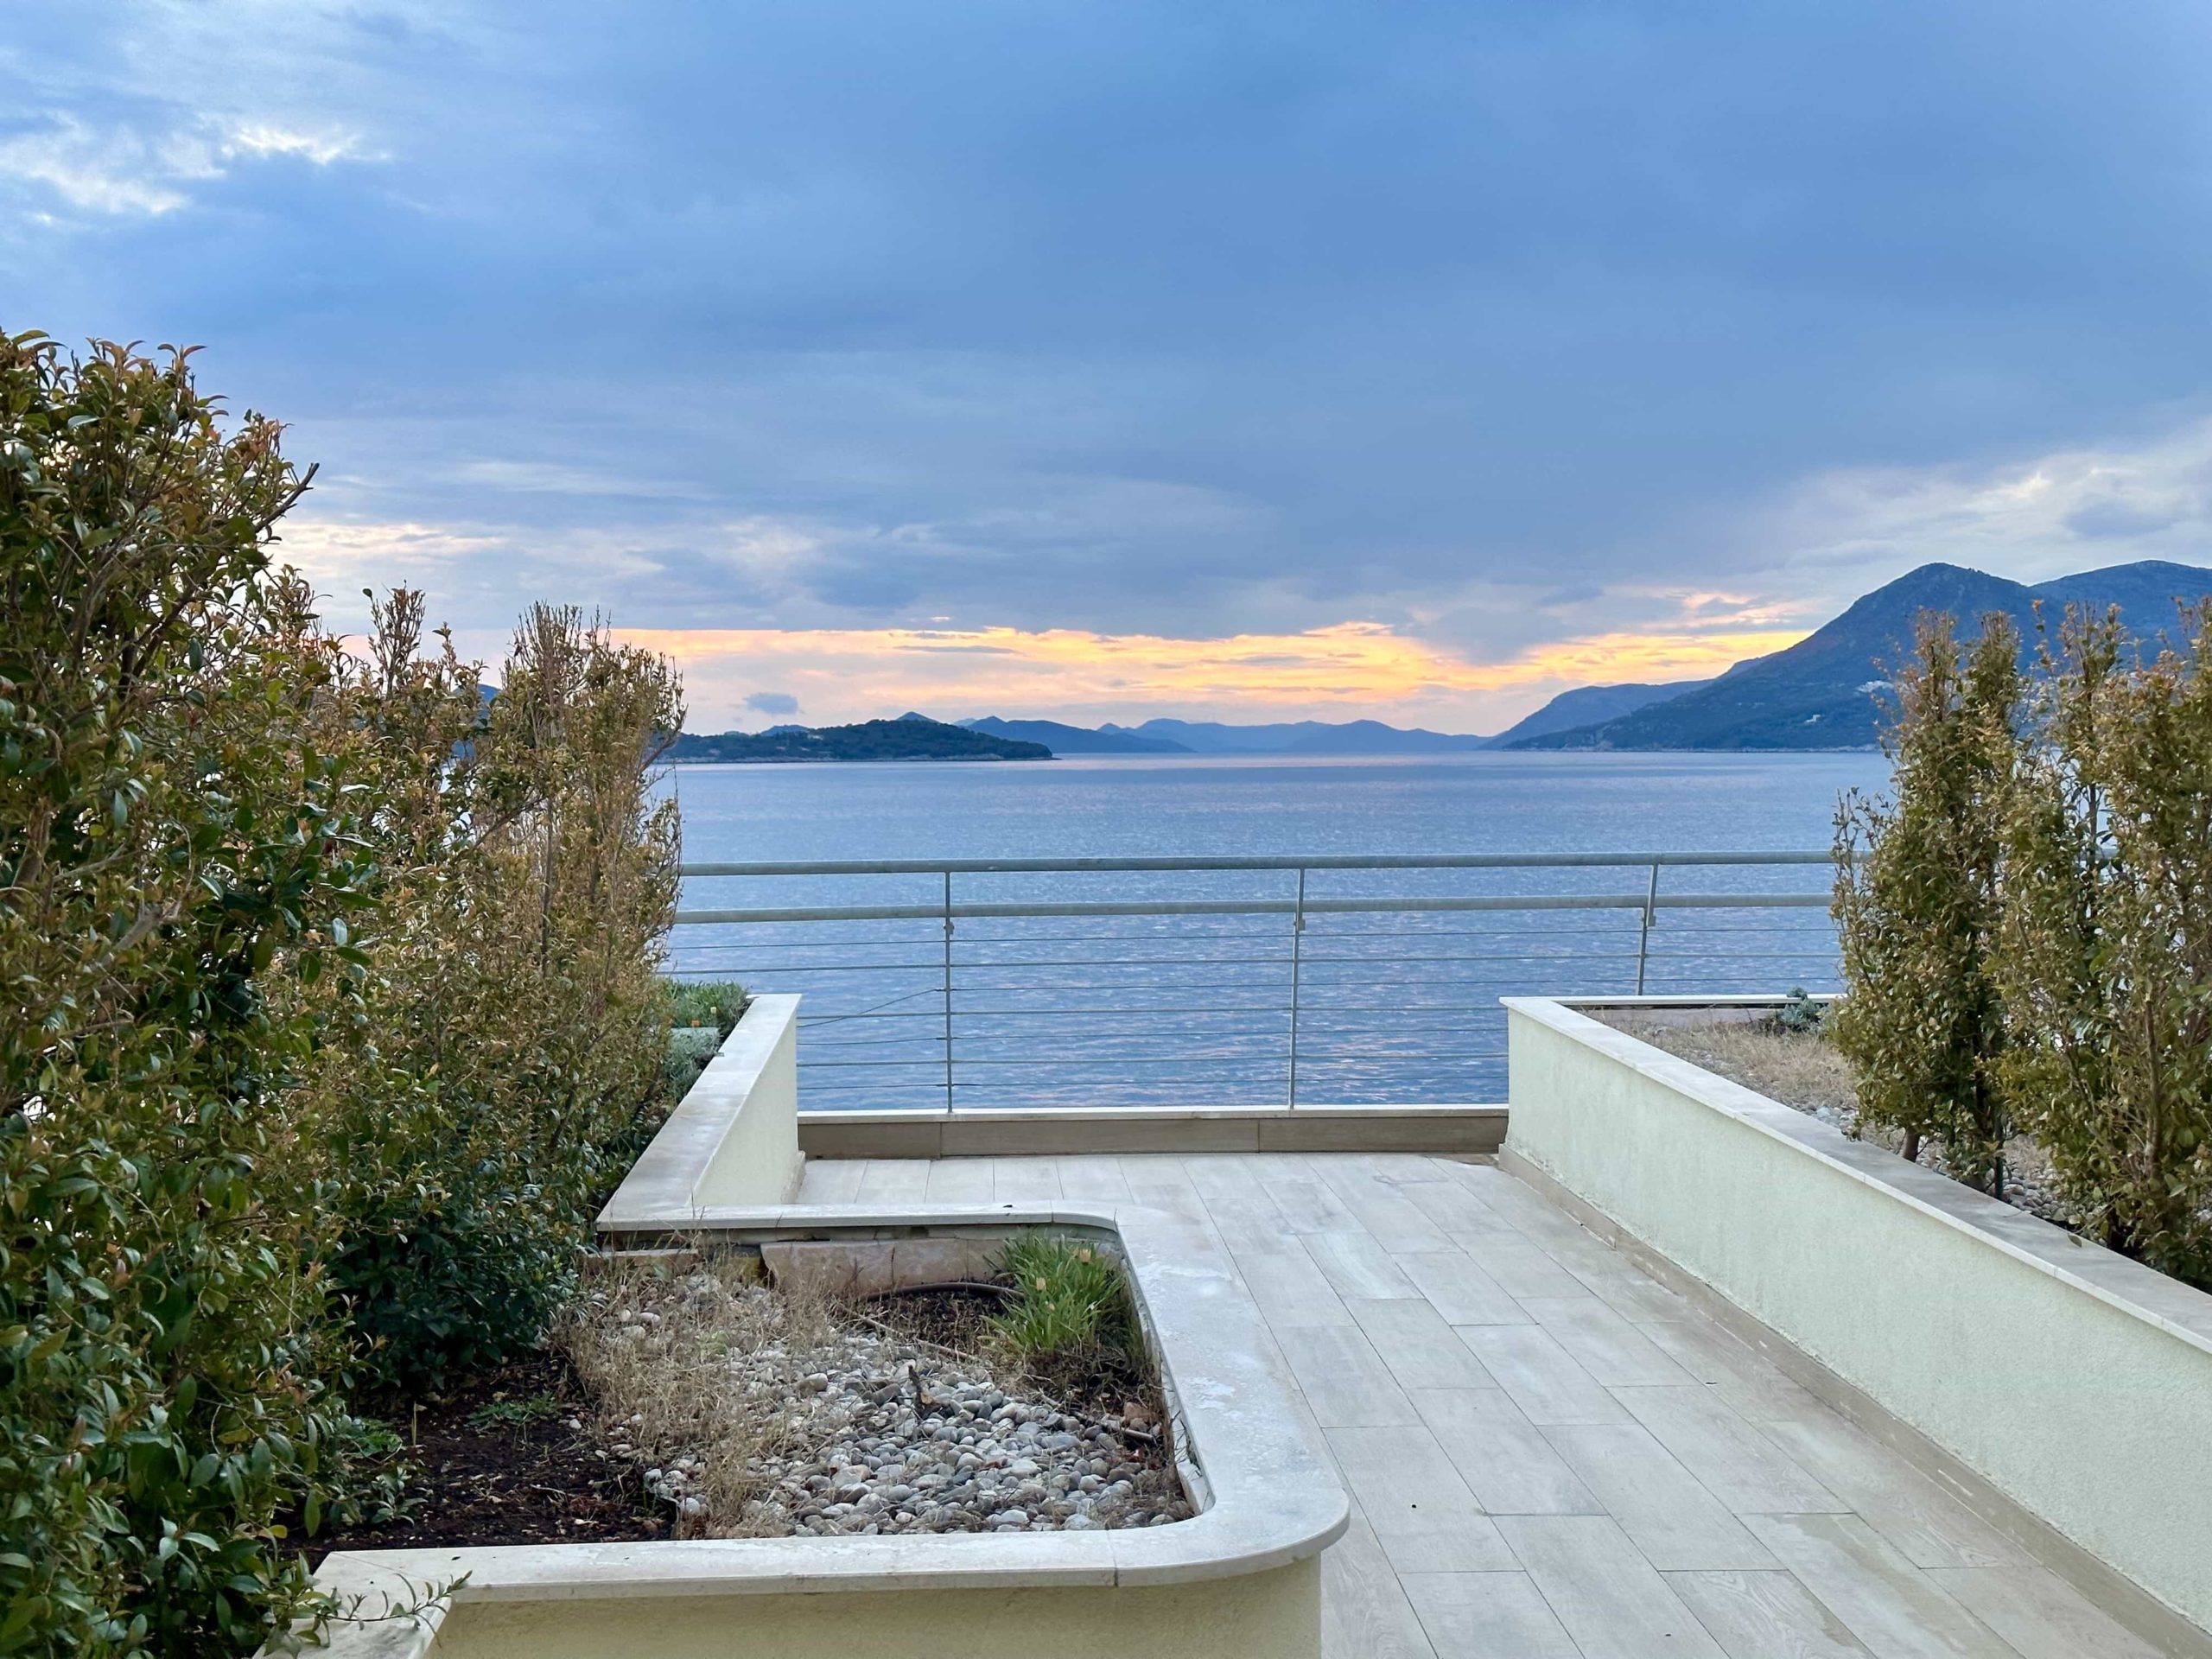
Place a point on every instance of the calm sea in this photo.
(1196, 1010)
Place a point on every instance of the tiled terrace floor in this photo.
(1549, 1454)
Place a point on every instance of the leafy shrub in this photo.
(1918, 904)
(702, 1014)
(175, 866)
(705, 1002)
(2107, 959)
(511, 1057)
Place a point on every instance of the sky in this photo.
(1097, 361)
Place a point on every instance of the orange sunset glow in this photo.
(1349, 669)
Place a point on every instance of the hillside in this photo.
(1821, 692)
(910, 739)
(1590, 705)
(1316, 737)
(1072, 740)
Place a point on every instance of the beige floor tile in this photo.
(894, 1180)
(1504, 1459)
(1739, 1465)
(1343, 1378)
(1308, 1205)
(831, 1181)
(1453, 1208)
(1389, 1217)
(1423, 1514)
(1290, 1290)
(1521, 1268)
(1766, 1616)
(1161, 1182)
(1610, 1349)
(1421, 1350)
(1546, 1381)
(1752, 1386)
(960, 1180)
(1024, 1180)
(1459, 1290)
(1612, 1602)
(1926, 1523)
(1357, 1266)
(1677, 1524)
(1893, 1607)
(1488, 1616)
(1093, 1176)
(1240, 1210)
(2042, 1615)
(1364, 1612)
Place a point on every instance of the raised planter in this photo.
(2076, 1382)
(1241, 1579)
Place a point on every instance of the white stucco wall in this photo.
(2076, 1382)
(1274, 1615)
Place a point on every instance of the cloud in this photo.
(345, 557)
(1504, 329)
(2037, 516)
(114, 172)
(773, 702)
(121, 171)
(323, 148)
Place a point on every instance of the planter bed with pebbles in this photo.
(754, 1409)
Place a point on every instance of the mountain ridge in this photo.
(1821, 692)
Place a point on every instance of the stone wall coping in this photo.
(667, 1173)
(1147, 1113)
(2179, 1310)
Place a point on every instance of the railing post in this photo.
(1297, 941)
(1645, 922)
(947, 992)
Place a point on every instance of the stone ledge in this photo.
(733, 1129)
(1449, 1130)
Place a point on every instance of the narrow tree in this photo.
(2107, 960)
(1918, 904)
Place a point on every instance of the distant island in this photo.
(912, 737)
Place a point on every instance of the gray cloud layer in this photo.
(1489, 321)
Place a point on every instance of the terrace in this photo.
(1549, 1452)
(1641, 1363)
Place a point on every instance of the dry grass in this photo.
(709, 1365)
(1798, 1069)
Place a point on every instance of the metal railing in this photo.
(1224, 982)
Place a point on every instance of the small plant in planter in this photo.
(1801, 1014)
(1069, 1301)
